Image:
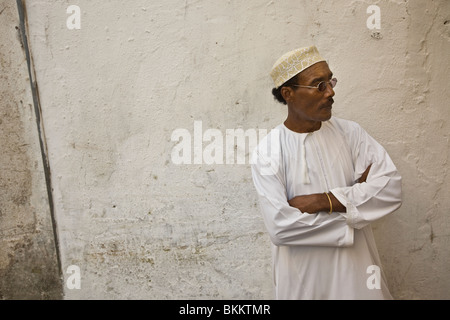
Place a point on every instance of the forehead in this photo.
(319, 70)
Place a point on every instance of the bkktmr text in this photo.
(246, 309)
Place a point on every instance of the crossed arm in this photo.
(317, 202)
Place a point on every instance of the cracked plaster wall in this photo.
(113, 92)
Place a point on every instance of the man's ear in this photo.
(287, 93)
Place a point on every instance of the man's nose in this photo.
(329, 92)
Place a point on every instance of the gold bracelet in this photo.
(331, 204)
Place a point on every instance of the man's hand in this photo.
(364, 175)
(310, 203)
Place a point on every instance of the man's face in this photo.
(310, 104)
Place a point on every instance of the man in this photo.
(321, 181)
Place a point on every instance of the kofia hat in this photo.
(294, 62)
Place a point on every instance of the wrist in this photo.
(329, 203)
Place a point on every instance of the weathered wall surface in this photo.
(416, 248)
(114, 91)
(28, 263)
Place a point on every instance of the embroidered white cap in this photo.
(294, 62)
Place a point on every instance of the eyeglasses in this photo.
(322, 86)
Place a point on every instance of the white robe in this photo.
(322, 256)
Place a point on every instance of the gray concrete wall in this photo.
(28, 261)
(118, 89)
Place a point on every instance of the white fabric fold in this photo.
(303, 165)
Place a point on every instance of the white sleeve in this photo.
(287, 225)
(380, 195)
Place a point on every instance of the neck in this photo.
(302, 126)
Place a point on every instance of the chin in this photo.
(327, 116)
